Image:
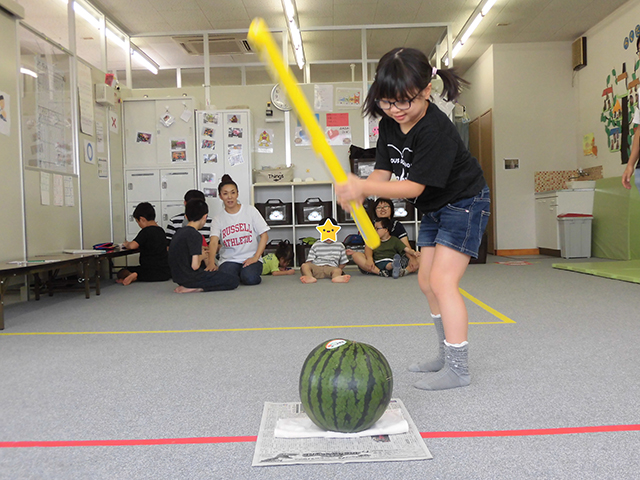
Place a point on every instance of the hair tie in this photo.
(434, 71)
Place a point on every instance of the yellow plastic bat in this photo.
(261, 39)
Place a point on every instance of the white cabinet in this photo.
(551, 204)
(175, 183)
(148, 141)
(159, 156)
(223, 144)
(142, 185)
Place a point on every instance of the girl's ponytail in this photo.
(453, 84)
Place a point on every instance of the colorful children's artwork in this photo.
(210, 192)
(301, 138)
(208, 178)
(210, 118)
(208, 144)
(178, 144)
(167, 119)
(338, 135)
(144, 137)
(348, 97)
(264, 142)
(210, 157)
(589, 145)
(235, 132)
(208, 132)
(179, 156)
(233, 118)
(373, 130)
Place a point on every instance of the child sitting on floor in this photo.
(327, 256)
(280, 262)
(154, 266)
(384, 260)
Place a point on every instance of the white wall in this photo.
(534, 120)
(528, 88)
(605, 52)
(11, 217)
(479, 98)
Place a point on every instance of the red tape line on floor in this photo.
(210, 440)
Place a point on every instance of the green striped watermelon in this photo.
(345, 386)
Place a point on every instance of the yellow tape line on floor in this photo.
(503, 318)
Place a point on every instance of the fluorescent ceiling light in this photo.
(487, 7)
(26, 71)
(471, 28)
(116, 38)
(456, 49)
(295, 37)
(84, 13)
(146, 62)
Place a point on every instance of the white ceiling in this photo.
(510, 21)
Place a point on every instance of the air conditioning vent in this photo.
(218, 45)
(579, 53)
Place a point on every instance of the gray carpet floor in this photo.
(149, 364)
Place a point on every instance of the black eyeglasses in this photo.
(399, 104)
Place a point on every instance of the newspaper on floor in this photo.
(271, 450)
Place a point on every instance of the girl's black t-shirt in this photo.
(431, 154)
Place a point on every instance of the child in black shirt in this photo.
(152, 243)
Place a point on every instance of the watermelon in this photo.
(345, 386)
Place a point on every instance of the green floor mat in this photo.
(627, 271)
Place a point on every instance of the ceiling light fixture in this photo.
(26, 71)
(143, 59)
(293, 25)
(472, 23)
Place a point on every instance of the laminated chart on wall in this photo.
(47, 139)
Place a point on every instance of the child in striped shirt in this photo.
(326, 259)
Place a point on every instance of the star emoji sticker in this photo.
(328, 231)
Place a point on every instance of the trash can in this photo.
(575, 235)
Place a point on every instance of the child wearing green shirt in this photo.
(384, 260)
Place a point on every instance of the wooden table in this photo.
(51, 265)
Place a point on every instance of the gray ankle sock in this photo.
(454, 374)
(437, 363)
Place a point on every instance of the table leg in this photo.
(87, 282)
(36, 285)
(98, 267)
(3, 289)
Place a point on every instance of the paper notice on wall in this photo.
(103, 168)
(100, 137)
(45, 181)
(85, 99)
(338, 135)
(69, 196)
(58, 191)
(323, 98)
(234, 155)
(5, 119)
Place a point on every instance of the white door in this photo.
(140, 133)
(169, 209)
(142, 185)
(178, 136)
(175, 183)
